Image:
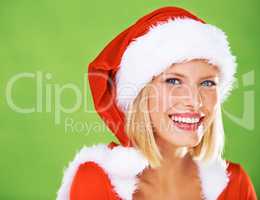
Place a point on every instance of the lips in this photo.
(187, 126)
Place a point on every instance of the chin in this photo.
(194, 143)
(190, 142)
(186, 139)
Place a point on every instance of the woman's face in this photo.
(183, 101)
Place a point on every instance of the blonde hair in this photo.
(141, 133)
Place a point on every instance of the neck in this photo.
(175, 158)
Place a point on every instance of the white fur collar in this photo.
(123, 177)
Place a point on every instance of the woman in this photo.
(159, 86)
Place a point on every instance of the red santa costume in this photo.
(165, 36)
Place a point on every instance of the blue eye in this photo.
(173, 81)
(208, 83)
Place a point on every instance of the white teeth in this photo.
(185, 119)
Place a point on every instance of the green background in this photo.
(61, 38)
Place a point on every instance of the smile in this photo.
(187, 123)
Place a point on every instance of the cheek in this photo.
(210, 99)
(159, 100)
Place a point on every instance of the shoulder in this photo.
(102, 164)
(83, 167)
(90, 182)
(239, 182)
(237, 172)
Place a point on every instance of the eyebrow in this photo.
(176, 74)
(183, 76)
(209, 77)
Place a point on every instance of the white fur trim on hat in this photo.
(174, 41)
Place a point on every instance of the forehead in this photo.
(194, 68)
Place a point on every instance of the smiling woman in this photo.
(159, 86)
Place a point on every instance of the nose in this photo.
(193, 100)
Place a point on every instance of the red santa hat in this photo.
(165, 36)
